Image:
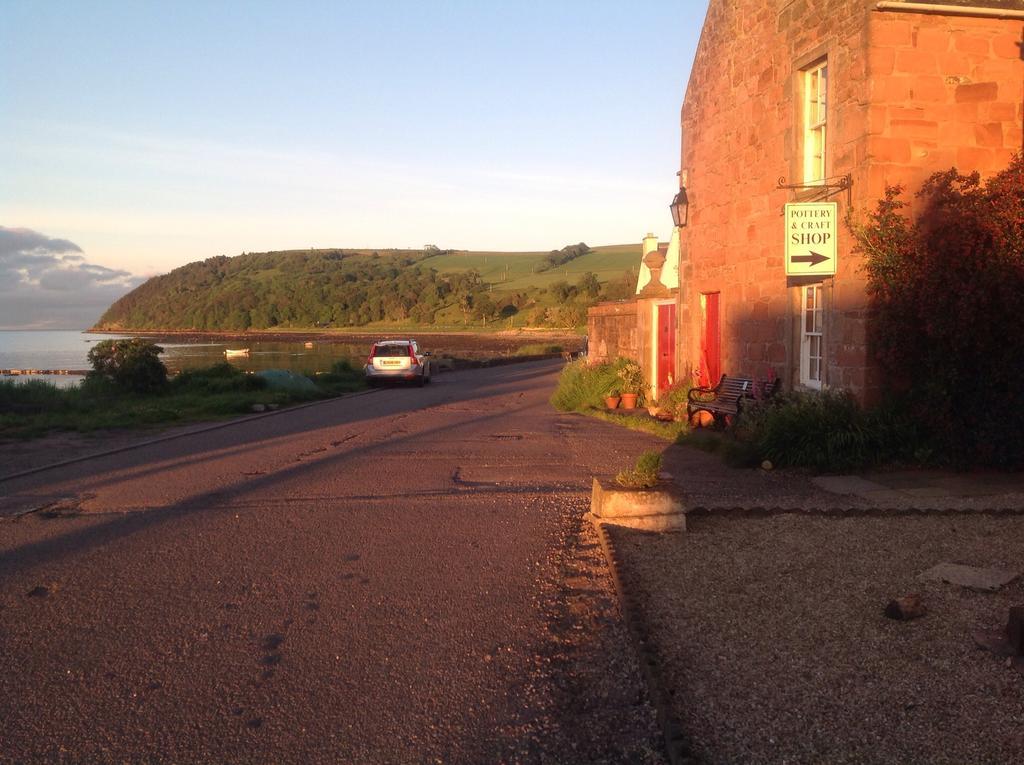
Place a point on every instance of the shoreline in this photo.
(501, 340)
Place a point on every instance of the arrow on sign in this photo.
(814, 258)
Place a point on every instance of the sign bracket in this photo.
(831, 187)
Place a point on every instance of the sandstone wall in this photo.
(945, 91)
(612, 331)
(908, 94)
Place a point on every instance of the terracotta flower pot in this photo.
(612, 402)
(629, 400)
(702, 419)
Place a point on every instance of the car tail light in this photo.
(412, 357)
(369, 359)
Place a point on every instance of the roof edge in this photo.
(948, 9)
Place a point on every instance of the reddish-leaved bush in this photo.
(947, 294)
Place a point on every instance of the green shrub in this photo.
(538, 349)
(675, 397)
(822, 431)
(96, 388)
(31, 395)
(343, 378)
(946, 289)
(901, 436)
(825, 432)
(345, 369)
(581, 386)
(220, 378)
(644, 474)
(632, 378)
(132, 365)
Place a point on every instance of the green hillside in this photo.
(519, 270)
(303, 289)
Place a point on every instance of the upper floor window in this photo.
(815, 118)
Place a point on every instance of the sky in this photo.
(142, 136)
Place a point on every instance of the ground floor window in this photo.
(811, 342)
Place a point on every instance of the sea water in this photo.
(68, 350)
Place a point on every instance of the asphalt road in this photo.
(402, 576)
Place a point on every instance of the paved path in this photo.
(706, 481)
(397, 577)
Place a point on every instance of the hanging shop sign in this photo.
(811, 238)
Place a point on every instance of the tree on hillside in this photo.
(623, 288)
(466, 305)
(483, 307)
(564, 255)
(589, 285)
(563, 291)
(274, 290)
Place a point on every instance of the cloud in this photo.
(25, 241)
(46, 282)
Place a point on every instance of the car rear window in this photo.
(391, 350)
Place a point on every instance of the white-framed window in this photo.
(815, 121)
(811, 340)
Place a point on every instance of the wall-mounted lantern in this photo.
(680, 208)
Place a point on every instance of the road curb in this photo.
(677, 747)
(842, 511)
(197, 430)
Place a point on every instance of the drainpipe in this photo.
(948, 10)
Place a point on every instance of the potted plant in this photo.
(644, 475)
(633, 384)
(612, 399)
(660, 410)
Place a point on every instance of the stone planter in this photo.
(657, 509)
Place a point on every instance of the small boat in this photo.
(307, 344)
(231, 352)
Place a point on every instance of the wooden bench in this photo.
(726, 399)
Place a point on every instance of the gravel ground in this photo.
(771, 638)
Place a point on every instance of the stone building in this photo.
(810, 101)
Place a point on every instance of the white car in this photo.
(399, 360)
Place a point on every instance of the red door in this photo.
(710, 344)
(666, 346)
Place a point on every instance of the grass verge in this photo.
(670, 431)
(583, 387)
(538, 349)
(34, 408)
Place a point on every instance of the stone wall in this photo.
(612, 332)
(945, 91)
